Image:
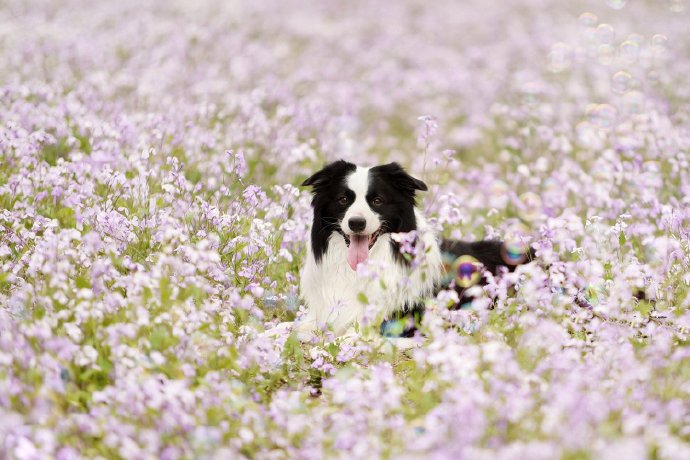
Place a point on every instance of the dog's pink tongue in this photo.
(358, 251)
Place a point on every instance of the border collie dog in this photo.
(357, 211)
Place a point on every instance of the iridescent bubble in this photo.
(467, 271)
(530, 207)
(602, 115)
(659, 40)
(588, 19)
(620, 82)
(629, 51)
(616, 4)
(515, 248)
(606, 34)
(633, 102)
(514, 254)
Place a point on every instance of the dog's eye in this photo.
(342, 200)
(377, 201)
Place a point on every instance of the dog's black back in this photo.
(491, 254)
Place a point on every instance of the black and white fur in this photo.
(384, 197)
(353, 202)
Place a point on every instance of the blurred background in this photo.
(152, 226)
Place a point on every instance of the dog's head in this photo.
(361, 204)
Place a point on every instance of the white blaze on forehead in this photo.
(358, 182)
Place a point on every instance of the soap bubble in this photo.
(587, 19)
(629, 51)
(467, 271)
(620, 82)
(515, 248)
(602, 115)
(659, 40)
(606, 34)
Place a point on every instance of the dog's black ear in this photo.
(328, 173)
(400, 178)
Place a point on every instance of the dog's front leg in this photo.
(306, 327)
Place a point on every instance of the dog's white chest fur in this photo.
(334, 293)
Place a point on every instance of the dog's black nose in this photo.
(357, 224)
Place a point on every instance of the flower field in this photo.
(152, 227)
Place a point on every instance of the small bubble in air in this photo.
(606, 34)
(467, 271)
(602, 115)
(620, 82)
(515, 248)
(629, 51)
(659, 40)
(587, 19)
